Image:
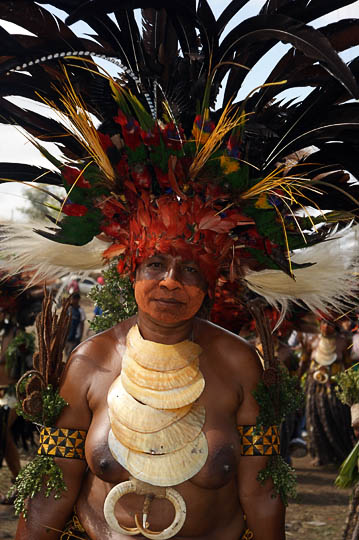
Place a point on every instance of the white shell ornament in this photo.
(138, 416)
(159, 357)
(165, 469)
(168, 439)
(165, 399)
(156, 427)
(130, 487)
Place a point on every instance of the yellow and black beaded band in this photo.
(266, 443)
(62, 442)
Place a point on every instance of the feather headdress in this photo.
(150, 164)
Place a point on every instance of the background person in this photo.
(77, 322)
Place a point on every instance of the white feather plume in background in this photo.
(330, 284)
(22, 249)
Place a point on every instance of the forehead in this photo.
(169, 259)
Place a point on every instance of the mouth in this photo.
(168, 301)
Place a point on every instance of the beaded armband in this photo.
(266, 443)
(62, 442)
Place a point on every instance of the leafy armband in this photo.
(276, 400)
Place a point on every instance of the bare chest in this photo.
(220, 404)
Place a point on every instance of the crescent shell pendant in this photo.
(130, 487)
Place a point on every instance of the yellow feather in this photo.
(82, 127)
(227, 122)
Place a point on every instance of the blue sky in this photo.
(16, 148)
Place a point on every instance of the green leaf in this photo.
(277, 401)
(348, 386)
(115, 298)
(283, 477)
(22, 345)
(41, 471)
(348, 471)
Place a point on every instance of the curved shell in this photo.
(178, 521)
(137, 416)
(165, 399)
(129, 487)
(169, 439)
(109, 507)
(159, 357)
(163, 470)
(158, 380)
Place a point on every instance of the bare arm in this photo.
(265, 513)
(46, 516)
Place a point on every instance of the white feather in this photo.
(330, 284)
(22, 249)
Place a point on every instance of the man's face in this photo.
(169, 289)
(326, 329)
(346, 325)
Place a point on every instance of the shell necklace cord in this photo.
(156, 427)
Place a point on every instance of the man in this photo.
(76, 325)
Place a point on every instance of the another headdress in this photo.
(150, 165)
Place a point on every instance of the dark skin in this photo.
(226, 487)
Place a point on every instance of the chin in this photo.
(169, 316)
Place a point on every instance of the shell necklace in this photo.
(326, 353)
(156, 426)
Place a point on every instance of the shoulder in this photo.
(97, 351)
(236, 355)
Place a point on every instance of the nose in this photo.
(171, 279)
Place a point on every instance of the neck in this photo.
(162, 333)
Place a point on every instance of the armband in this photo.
(266, 443)
(62, 442)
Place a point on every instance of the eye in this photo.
(154, 264)
(191, 269)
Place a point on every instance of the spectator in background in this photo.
(73, 287)
(76, 325)
(97, 310)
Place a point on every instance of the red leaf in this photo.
(114, 251)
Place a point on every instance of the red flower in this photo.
(151, 138)
(269, 246)
(73, 175)
(173, 136)
(234, 147)
(120, 266)
(121, 118)
(131, 131)
(162, 178)
(72, 209)
(113, 229)
(207, 126)
(105, 140)
(141, 176)
(122, 168)
(111, 207)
